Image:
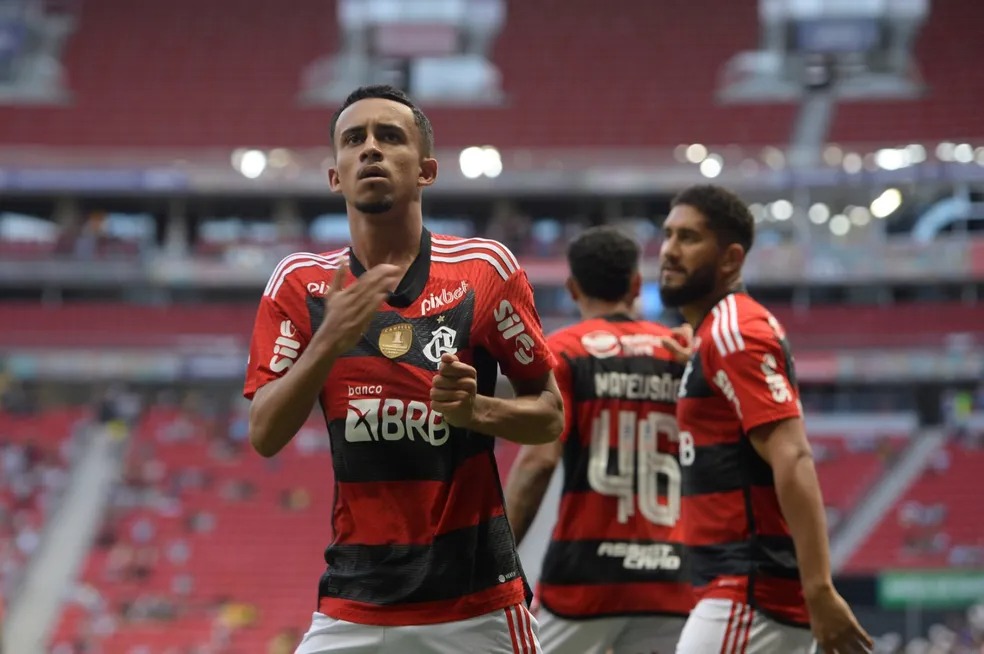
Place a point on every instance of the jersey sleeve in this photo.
(280, 333)
(753, 368)
(510, 328)
(565, 381)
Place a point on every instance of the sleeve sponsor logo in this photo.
(512, 328)
(776, 382)
(286, 348)
(724, 383)
(603, 345)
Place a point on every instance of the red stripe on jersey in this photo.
(421, 613)
(453, 244)
(492, 252)
(616, 599)
(597, 519)
(780, 599)
(714, 518)
(383, 513)
(768, 513)
(720, 414)
(300, 261)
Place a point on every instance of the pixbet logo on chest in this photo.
(443, 299)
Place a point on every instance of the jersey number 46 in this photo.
(639, 466)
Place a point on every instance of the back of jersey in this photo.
(615, 549)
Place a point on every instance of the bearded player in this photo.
(752, 511)
(398, 338)
(614, 575)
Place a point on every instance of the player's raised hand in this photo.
(834, 626)
(348, 311)
(681, 343)
(453, 391)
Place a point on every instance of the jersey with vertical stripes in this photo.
(616, 548)
(420, 534)
(740, 376)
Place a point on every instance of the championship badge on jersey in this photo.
(395, 340)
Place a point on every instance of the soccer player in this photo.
(614, 573)
(398, 338)
(752, 510)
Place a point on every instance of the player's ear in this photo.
(733, 259)
(428, 171)
(573, 289)
(334, 182)
(635, 286)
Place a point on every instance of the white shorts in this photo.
(628, 635)
(506, 631)
(720, 626)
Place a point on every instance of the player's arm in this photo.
(766, 401)
(784, 447)
(535, 415)
(535, 464)
(527, 484)
(280, 407)
(284, 397)
(510, 329)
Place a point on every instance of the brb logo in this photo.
(443, 299)
(375, 419)
(286, 348)
(511, 326)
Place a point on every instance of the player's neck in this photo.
(381, 239)
(695, 313)
(591, 309)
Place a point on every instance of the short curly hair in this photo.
(726, 215)
(386, 92)
(602, 262)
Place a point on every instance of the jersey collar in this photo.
(738, 288)
(415, 279)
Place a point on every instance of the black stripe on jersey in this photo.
(607, 562)
(458, 318)
(454, 565)
(651, 379)
(787, 355)
(725, 467)
(403, 459)
(768, 555)
(695, 384)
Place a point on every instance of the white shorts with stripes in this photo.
(720, 626)
(628, 635)
(506, 631)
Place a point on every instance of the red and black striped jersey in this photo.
(420, 534)
(740, 376)
(616, 548)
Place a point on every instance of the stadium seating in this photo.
(166, 83)
(187, 548)
(36, 450)
(125, 325)
(936, 524)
